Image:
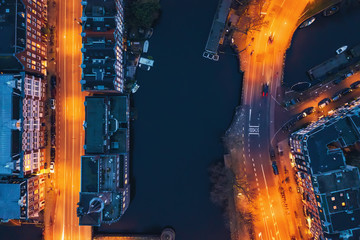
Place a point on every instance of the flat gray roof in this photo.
(218, 25)
(95, 125)
(89, 174)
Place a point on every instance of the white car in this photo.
(52, 166)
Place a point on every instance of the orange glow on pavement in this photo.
(70, 114)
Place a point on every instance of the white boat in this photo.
(341, 50)
(146, 46)
(307, 22)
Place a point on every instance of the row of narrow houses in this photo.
(23, 61)
(105, 186)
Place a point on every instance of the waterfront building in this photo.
(22, 87)
(23, 43)
(330, 188)
(105, 187)
(103, 46)
(22, 199)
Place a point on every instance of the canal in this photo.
(184, 106)
(313, 45)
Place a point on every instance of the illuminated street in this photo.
(69, 119)
(262, 62)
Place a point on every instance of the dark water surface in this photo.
(318, 42)
(184, 105)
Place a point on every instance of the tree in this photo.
(145, 12)
(251, 24)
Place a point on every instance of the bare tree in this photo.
(248, 24)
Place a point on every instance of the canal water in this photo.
(184, 105)
(318, 42)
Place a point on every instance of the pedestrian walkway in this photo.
(217, 30)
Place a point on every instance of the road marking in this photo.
(252, 159)
(253, 164)
(250, 115)
(255, 173)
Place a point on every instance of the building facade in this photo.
(23, 62)
(330, 188)
(105, 186)
(103, 46)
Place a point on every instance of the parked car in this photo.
(52, 167)
(52, 152)
(275, 168)
(309, 110)
(301, 116)
(346, 91)
(53, 81)
(52, 103)
(339, 79)
(349, 74)
(292, 102)
(272, 154)
(355, 85)
(336, 96)
(324, 102)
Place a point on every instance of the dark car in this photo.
(265, 90)
(355, 85)
(346, 91)
(272, 154)
(339, 79)
(52, 152)
(275, 168)
(324, 102)
(309, 110)
(53, 81)
(292, 102)
(301, 116)
(336, 96)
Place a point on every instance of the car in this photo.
(336, 96)
(52, 103)
(339, 79)
(53, 81)
(355, 85)
(309, 110)
(52, 152)
(272, 154)
(346, 91)
(349, 74)
(301, 116)
(324, 102)
(292, 102)
(265, 89)
(275, 168)
(52, 167)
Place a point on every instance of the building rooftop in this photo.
(10, 196)
(323, 156)
(9, 108)
(106, 126)
(101, 196)
(338, 180)
(9, 19)
(95, 125)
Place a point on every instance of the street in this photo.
(69, 118)
(262, 62)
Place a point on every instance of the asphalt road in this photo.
(262, 63)
(70, 115)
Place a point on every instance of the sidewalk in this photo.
(50, 186)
